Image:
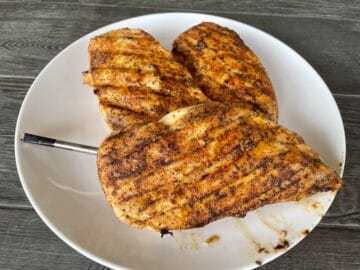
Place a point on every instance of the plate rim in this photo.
(17, 136)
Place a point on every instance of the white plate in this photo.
(63, 186)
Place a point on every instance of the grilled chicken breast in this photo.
(205, 162)
(136, 79)
(225, 68)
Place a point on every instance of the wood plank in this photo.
(322, 249)
(28, 243)
(325, 32)
(32, 33)
(345, 211)
(12, 92)
(320, 8)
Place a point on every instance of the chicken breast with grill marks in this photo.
(136, 79)
(206, 162)
(225, 68)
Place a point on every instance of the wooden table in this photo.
(326, 33)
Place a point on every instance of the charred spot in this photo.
(239, 215)
(138, 182)
(171, 146)
(327, 189)
(204, 176)
(164, 232)
(219, 195)
(211, 215)
(146, 204)
(200, 45)
(127, 167)
(258, 262)
(262, 250)
(96, 91)
(128, 37)
(99, 58)
(234, 175)
(163, 162)
(283, 244)
(306, 232)
(239, 150)
(232, 190)
(191, 201)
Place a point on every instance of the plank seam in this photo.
(350, 226)
(16, 207)
(175, 9)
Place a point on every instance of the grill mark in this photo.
(109, 154)
(278, 167)
(137, 47)
(154, 56)
(156, 111)
(226, 211)
(140, 105)
(213, 175)
(143, 114)
(163, 130)
(165, 99)
(135, 70)
(185, 156)
(321, 185)
(256, 107)
(262, 84)
(209, 91)
(260, 165)
(303, 171)
(291, 192)
(110, 59)
(236, 94)
(240, 92)
(218, 55)
(207, 195)
(119, 118)
(233, 51)
(202, 178)
(247, 95)
(137, 147)
(169, 85)
(202, 115)
(242, 71)
(184, 48)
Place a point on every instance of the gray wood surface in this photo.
(326, 33)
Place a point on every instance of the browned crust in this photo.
(134, 75)
(225, 68)
(211, 162)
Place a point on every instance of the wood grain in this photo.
(326, 33)
(27, 243)
(29, 40)
(333, 9)
(12, 92)
(323, 249)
